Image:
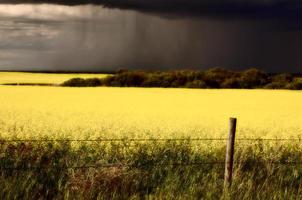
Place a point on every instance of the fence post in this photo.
(229, 158)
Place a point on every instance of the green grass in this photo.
(148, 170)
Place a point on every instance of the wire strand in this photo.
(120, 165)
(146, 139)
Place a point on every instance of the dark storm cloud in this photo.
(281, 8)
(93, 38)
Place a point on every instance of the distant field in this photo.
(46, 78)
(145, 112)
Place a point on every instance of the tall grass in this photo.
(159, 170)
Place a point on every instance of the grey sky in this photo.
(53, 37)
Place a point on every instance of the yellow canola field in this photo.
(56, 112)
(24, 77)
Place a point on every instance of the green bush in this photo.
(296, 84)
(275, 85)
(80, 82)
(232, 82)
(215, 77)
(253, 78)
(282, 78)
(212, 78)
(280, 81)
(196, 84)
(74, 82)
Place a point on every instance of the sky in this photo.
(276, 7)
(153, 34)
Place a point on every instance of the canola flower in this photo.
(102, 112)
(33, 112)
(23, 77)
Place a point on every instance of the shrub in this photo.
(253, 78)
(127, 79)
(295, 85)
(275, 85)
(196, 84)
(80, 82)
(93, 82)
(74, 82)
(279, 81)
(283, 78)
(212, 78)
(152, 81)
(230, 83)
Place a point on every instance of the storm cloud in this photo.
(96, 38)
(279, 8)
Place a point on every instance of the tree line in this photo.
(212, 78)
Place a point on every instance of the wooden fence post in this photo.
(229, 158)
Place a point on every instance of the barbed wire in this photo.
(109, 140)
(119, 165)
(146, 139)
(148, 164)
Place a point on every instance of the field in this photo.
(24, 77)
(143, 113)
(172, 169)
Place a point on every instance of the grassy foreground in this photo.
(168, 170)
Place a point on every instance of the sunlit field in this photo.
(51, 78)
(31, 112)
(176, 169)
